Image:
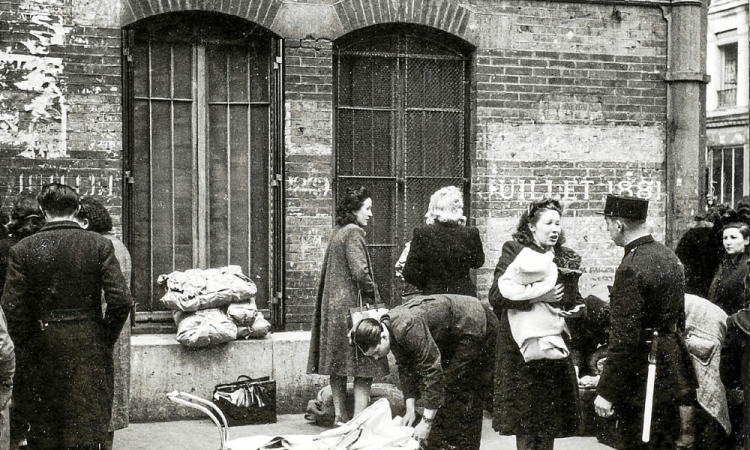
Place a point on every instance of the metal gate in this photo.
(401, 126)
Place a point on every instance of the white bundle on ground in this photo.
(197, 289)
(204, 328)
(372, 429)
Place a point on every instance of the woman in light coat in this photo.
(346, 276)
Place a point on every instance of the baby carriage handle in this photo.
(198, 403)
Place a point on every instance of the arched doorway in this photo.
(402, 115)
(202, 105)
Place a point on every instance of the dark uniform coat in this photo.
(648, 294)
(441, 257)
(535, 398)
(346, 274)
(443, 346)
(53, 302)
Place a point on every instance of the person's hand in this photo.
(559, 291)
(410, 416)
(422, 431)
(578, 311)
(603, 407)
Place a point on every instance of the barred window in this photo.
(401, 121)
(727, 92)
(729, 174)
(201, 103)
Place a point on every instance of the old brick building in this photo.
(219, 131)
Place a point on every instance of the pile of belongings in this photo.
(372, 429)
(213, 306)
(321, 411)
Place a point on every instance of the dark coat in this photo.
(441, 257)
(442, 344)
(700, 250)
(728, 286)
(728, 292)
(535, 398)
(5, 245)
(346, 274)
(648, 294)
(53, 301)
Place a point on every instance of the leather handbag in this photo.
(247, 401)
(363, 311)
(366, 311)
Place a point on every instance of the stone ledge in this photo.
(159, 364)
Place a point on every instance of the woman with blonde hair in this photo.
(444, 250)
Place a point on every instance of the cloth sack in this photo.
(243, 313)
(196, 289)
(247, 401)
(205, 328)
(258, 330)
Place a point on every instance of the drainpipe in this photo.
(686, 114)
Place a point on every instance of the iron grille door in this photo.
(400, 130)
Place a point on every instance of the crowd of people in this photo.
(65, 300)
(518, 354)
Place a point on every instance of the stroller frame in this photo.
(207, 408)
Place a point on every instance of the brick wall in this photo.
(570, 102)
(60, 111)
(567, 99)
(308, 178)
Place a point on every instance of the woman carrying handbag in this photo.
(346, 275)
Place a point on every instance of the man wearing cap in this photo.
(647, 296)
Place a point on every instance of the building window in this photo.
(200, 146)
(728, 84)
(729, 175)
(401, 121)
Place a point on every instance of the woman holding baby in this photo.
(535, 290)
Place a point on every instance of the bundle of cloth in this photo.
(213, 306)
(532, 277)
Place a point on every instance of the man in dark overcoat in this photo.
(648, 294)
(53, 302)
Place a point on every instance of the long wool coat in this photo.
(441, 257)
(535, 398)
(346, 273)
(53, 301)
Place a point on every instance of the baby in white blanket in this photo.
(537, 332)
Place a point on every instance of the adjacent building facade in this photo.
(221, 131)
(727, 101)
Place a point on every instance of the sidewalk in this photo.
(203, 435)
